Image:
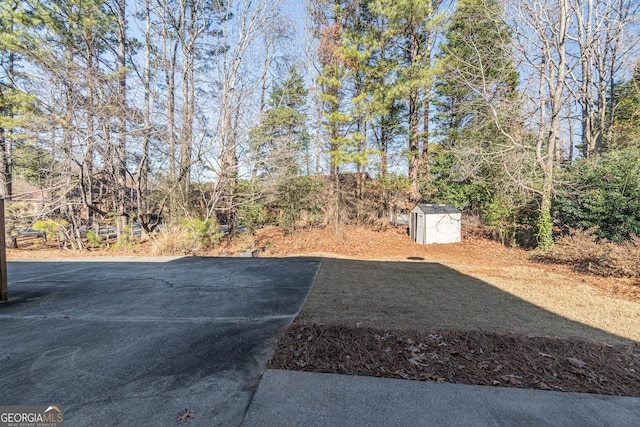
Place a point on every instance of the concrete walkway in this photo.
(288, 398)
(133, 342)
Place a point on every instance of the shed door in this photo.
(412, 225)
(420, 229)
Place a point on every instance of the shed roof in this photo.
(437, 209)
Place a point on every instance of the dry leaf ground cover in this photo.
(464, 357)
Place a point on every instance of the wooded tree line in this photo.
(525, 114)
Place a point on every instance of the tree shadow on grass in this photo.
(431, 296)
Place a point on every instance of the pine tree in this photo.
(413, 27)
(476, 109)
(476, 73)
(282, 139)
(625, 130)
(16, 105)
(331, 21)
(373, 58)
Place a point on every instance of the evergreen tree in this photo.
(373, 59)
(625, 119)
(279, 142)
(16, 105)
(476, 109)
(413, 26)
(477, 76)
(331, 17)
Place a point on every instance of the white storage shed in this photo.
(431, 223)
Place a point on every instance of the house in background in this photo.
(431, 223)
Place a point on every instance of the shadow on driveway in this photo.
(134, 342)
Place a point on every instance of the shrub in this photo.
(94, 240)
(298, 198)
(188, 238)
(51, 228)
(204, 233)
(586, 252)
(173, 241)
(603, 192)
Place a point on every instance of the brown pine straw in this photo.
(462, 357)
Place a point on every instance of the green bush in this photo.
(252, 204)
(297, 198)
(94, 240)
(449, 184)
(51, 228)
(205, 233)
(500, 218)
(603, 192)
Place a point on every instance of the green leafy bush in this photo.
(603, 192)
(252, 204)
(94, 240)
(450, 184)
(298, 198)
(206, 232)
(53, 229)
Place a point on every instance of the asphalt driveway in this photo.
(136, 341)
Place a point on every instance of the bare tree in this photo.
(236, 86)
(602, 39)
(121, 107)
(541, 39)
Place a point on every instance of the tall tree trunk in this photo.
(413, 52)
(143, 167)
(6, 134)
(585, 40)
(187, 120)
(425, 169)
(170, 52)
(87, 165)
(5, 165)
(316, 139)
(414, 147)
(556, 82)
(121, 178)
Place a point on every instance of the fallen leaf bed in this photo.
(474, 357)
